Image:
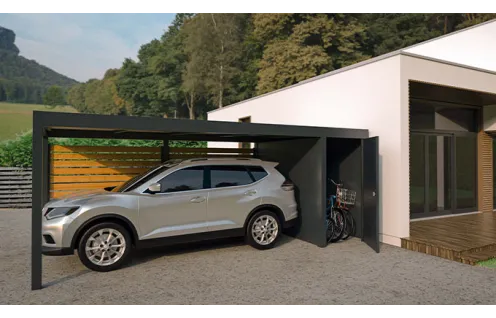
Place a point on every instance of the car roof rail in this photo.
(220, 159)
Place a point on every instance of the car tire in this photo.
(263, 230)
(105, 247)
(339, 226)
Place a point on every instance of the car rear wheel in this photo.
(105, 247)
(263, 230)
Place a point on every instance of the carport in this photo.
(308, 155)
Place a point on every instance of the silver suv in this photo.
(179, 201)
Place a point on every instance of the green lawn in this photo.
(16, 119)
(490, 263)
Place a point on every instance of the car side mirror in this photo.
(154, 188)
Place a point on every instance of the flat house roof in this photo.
(73, 125)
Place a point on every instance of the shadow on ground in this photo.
(66, 278)
(149, 254)
(145, 255)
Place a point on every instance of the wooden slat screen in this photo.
(485, 171)
(75, 168)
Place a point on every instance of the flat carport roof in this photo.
(69, 125)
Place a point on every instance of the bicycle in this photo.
(339, 215)
(345, 199)
(335, 218)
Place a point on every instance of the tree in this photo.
(3, 94)
(391, 32)
(54, 96)
(273, 26)
(213, 45)
(469, 19)
(170, 65)
(285, 63)
(300, 46)
(207, 61)
(75, 97)
(244, 84)
(100, 96)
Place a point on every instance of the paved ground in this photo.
(294, 272)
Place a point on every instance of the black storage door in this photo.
(370, 170)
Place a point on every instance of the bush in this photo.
(18, 152)
(104, 142)
(124, 142)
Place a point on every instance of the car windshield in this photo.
(140, 179)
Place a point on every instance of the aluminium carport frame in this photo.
(69, 125)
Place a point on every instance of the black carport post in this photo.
(40, 195)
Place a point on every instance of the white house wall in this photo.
(475, 47)
(366, 97)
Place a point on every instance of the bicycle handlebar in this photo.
(336, 184)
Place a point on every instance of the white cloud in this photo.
(82, 46)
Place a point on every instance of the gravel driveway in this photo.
(294, 272)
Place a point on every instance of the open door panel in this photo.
(370, 195)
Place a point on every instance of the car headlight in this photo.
(53, 213)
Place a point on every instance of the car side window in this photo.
(257, 172)
(222, 176)
(183, 180)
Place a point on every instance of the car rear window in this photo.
(229, 176)
(257, 172)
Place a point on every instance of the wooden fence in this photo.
(15, 187)
(75, 168)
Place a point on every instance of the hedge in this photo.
(17, 152)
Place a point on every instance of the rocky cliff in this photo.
(23, 80)
(7, 40)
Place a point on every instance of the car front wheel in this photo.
(264, 228)
(105, 247)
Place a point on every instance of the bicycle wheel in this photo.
(329, 229)
(350, 225)
(339, 224)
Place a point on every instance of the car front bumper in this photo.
(57, 236)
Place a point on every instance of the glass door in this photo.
(417, 174)
(431, 185)
(442, 174)
(439, 182)
(431, 174)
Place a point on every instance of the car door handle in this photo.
(197, 199)
(251, 192)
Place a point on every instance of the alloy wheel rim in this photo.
(105, 247)
(265, 229)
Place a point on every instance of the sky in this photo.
(84, 46)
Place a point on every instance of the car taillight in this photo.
(287, 185)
